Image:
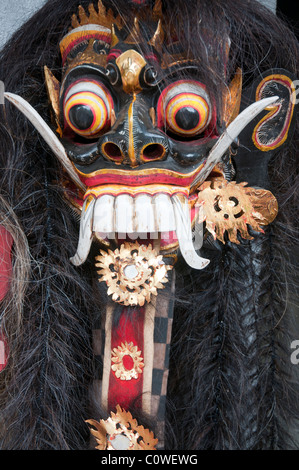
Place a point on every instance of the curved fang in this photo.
(46, 132)
(184, 235)
(85, 234)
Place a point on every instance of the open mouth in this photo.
(163, 215)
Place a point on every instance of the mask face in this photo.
(137, 133)
(141, 131)
(149, 157)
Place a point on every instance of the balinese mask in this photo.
(149, 158)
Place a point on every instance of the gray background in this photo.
(15, 12)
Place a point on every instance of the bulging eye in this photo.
(184, 108)
(87, 108)
(187, 114)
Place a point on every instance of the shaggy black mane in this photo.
(231, 384)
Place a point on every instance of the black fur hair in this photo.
(231, 384)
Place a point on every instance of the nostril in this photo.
(112, 151)
(153, 152)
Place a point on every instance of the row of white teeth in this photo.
(136, 217)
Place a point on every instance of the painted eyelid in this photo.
(85, 86)
(185, 87)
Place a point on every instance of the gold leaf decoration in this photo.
(118, 367)
(121, 432)
(231, 207)
(133, 273)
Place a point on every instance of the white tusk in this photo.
(85, 234)
(47, 134)
(184, 235)
(230, 134)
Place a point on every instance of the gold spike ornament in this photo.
(101, 17)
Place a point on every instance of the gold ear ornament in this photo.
(230, 207)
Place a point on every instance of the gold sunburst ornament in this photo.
(231, 207)
(121, 432)
(118, 356)
(133, 273)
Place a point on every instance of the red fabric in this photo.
(129, 328)
(3, 352)
(6, 242)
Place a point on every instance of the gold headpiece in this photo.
(101, 17)
(143, 14)
(103, 25)
(91, 25)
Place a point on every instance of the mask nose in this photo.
(133, 140)
(118, 151)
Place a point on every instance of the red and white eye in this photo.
(184, 108)
(87, 108)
